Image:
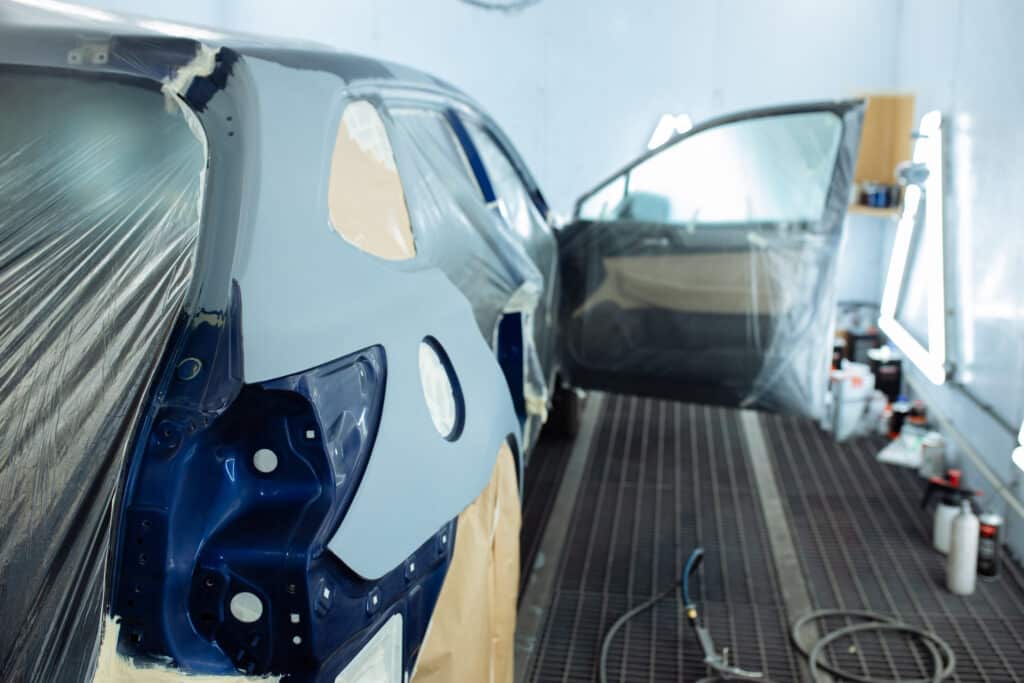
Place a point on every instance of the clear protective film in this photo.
(119, 312)
(474, 245)
(706, 270)
(100, 190)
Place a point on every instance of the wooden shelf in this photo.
(886, 138)
(888, 212)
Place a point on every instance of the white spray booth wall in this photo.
(965, 57)
(579, 85)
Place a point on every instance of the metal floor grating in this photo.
(540, 486)
(661, 478)
(864, 543)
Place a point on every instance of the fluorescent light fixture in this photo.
(669, 125)
(1018, 457)
(930, 359)
(1018, 452)
(169, 28)
(67, 9)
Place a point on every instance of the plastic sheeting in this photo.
(100, 189)
(492, 262)
(521, 214)
(99, 217)
(708, 274)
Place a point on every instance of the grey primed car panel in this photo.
(293, 269)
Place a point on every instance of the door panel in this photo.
(704, 271)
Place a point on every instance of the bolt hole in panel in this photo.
(221, 562)
(215, 515)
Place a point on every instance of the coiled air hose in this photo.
(713, 660)
(943, 659)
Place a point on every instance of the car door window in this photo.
(365, 197)
(604, 201)
(762, 170)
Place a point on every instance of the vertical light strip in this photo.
(900, 251)
(931, 128)
(1018, 452)
(930, 359)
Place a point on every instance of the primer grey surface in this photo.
(295, 274)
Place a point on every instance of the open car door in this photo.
(705, 270)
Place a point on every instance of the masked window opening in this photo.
(434, 126)
(516, 201)
(100, 187)
(521, 213)
(365, 196)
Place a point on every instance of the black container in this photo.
(888, 376)
(858, 345)
(838, 352)
(900, 411)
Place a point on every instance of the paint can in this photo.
(933, 456)
(990, 545)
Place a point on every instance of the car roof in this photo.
(44, 32)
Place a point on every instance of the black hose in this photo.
(607, 642)
(943, 659)
(691, 566)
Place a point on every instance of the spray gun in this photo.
(951, 495)
(717, 662)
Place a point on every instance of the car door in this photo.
(704, 271)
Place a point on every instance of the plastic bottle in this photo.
(942, 530)
(962, 562)
(950, 496)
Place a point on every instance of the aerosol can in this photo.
(950, 498)
(990, 545)
(962, 562)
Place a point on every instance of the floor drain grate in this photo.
(661, 478)
(542, 481)
(864, 543)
